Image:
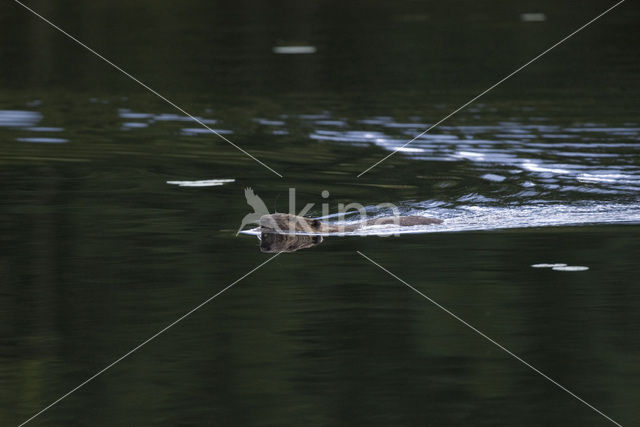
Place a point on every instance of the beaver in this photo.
(286, 223)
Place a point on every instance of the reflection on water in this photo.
(271, 242)
(14, 118)
(531, 168)
(537, 161)
(539, 156)
(43, 140)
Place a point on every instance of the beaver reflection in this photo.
(273, 242)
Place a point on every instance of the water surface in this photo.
(119, 213)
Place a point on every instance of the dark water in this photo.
(98, 252)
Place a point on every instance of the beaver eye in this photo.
(315, 223)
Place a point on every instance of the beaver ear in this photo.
(315, 223)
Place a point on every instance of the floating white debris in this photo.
(561, 267)
(202, 183)
(571, 268)
(548, 265)
(533, 17)
(294, 50)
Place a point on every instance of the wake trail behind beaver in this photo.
(479, 218)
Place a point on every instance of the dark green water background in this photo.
(98, 252)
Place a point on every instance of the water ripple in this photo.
(18, 118)
(591, 153)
